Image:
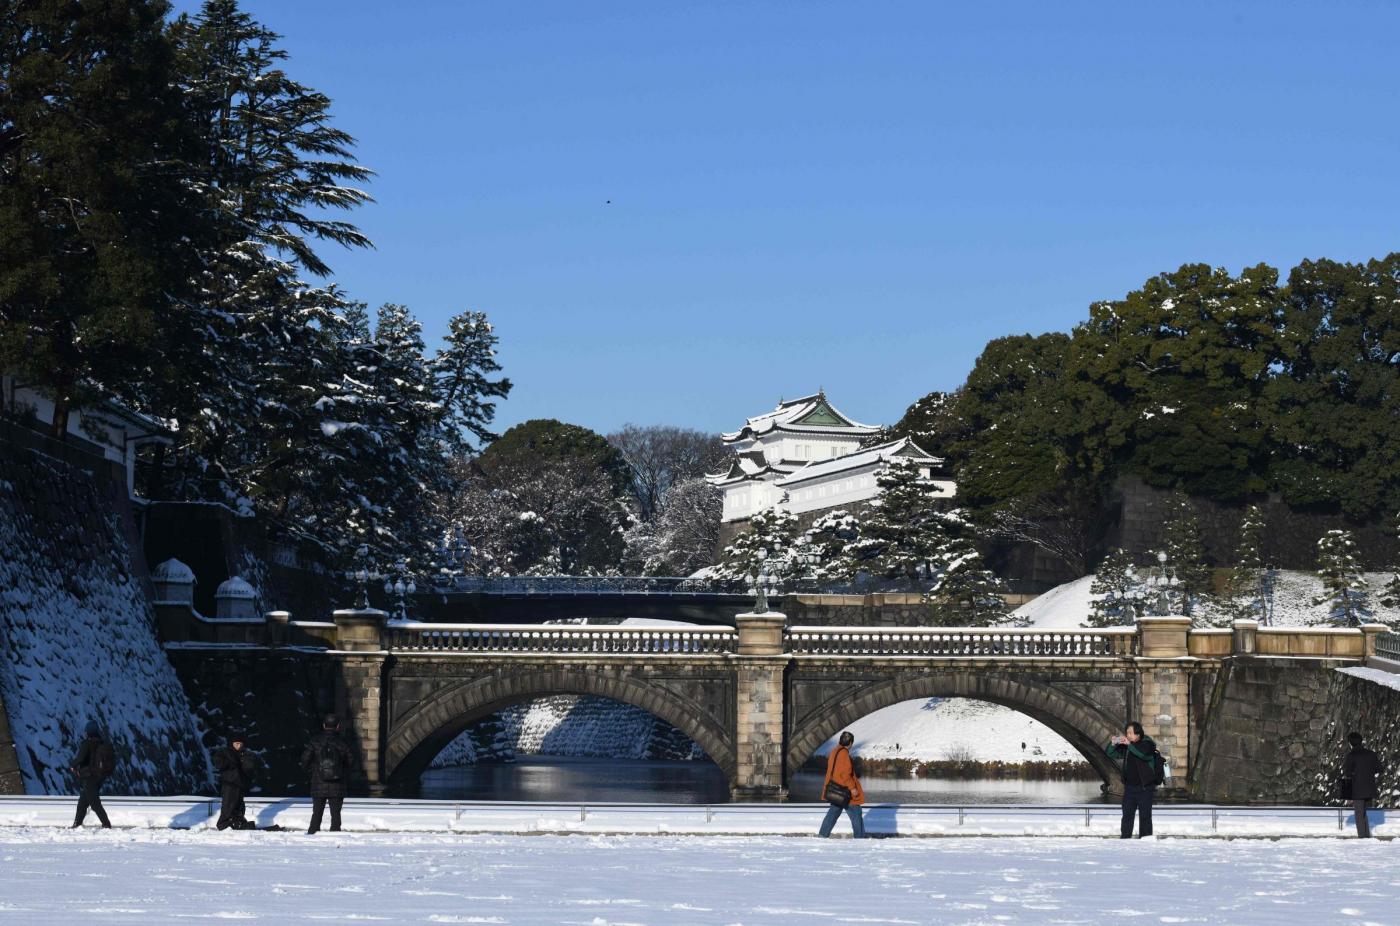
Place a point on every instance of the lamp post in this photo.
(363, 574)
(1160, 577)
(401, 586)
(763, 582)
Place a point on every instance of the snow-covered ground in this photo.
(364, 816)
(49, 877)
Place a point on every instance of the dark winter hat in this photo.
(92, 729)
(236, 738)
(331, 722)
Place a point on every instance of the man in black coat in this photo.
(235, 768)
(327, 758)
(94, 762)
(1138, 754)
(1363, 767)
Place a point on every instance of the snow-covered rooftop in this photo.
(809, 414)
(904, 447)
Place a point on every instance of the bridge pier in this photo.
(360, 685)
(1165, 687)
(760, 664)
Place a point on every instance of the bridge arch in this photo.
(1082, 725)
(415, 740)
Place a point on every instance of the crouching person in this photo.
(327, 758)
(842, 789)
(235, 767)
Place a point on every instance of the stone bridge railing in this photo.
(961, 641)
(413, 637)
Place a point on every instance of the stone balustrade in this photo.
(962, 642)
(413, 637)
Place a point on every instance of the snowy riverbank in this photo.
(416, 816)
(169, 877)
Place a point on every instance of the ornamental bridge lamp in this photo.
(400, 586)
(762, 582)
(363, 574)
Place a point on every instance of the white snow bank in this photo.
(169, 878)
(956, 728)
(412, 816)
(1379, 676)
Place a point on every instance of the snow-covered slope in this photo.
(569, 725)
(77, 640)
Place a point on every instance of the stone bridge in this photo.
(760, 696)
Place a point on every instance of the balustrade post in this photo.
(1245, 641)
(1371, 632)
(359, 630)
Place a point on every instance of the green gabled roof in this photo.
(823, 415)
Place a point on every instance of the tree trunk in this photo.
(59, 425)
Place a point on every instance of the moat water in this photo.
(545, 778)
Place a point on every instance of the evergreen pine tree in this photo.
(1249, 580)
(101, 222)
(1118, 593)
(771, 536)
(1390, 593)
(1345, 590)
(1186, 558)
(903, 535)
(967, 593)
(829, 541)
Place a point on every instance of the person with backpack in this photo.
(841, 789)
(93, 765)
(327, 758)
(1362, 767)
(235, 767)
(1143, 770)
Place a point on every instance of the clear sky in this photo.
(848, 195)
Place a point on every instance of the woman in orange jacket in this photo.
(847, 794)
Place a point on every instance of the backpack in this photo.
(329, 766)
(1159, 768)
(104, 760)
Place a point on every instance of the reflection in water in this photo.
(546, 778)
(806, 786)
(549, 778)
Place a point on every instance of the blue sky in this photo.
(848, 195)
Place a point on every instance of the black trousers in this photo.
(1363, 825)
(231, 807)
(1137, 800)
(318, 809)
(90, 796)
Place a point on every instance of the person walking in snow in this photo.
(94, 763)
(235, 768)
(1362, 767)
(327, 758)
(841, 789)
(1141, 763)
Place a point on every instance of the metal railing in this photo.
(1388, 645)
(990, 642)
(413, 637)
(589, 585)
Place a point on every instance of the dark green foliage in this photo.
(101, 223)
(1337, 404)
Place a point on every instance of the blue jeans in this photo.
(1137, 799)
(833, 814)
